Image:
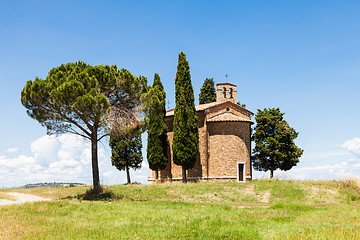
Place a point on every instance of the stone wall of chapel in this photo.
(200, 167)
(221, 146)
(229, 143)
(222, 88)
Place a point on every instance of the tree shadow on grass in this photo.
(103, 195)
(91, 195)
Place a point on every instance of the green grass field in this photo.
(260, 209)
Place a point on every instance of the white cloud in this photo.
(66, 158)
(352, 146)
(44, 149)
(334, 164)
(341, 170)
(335, 153)
(12, 150)
(108, 174)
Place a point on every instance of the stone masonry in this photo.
(224, 141)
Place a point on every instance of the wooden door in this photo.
(240, 172)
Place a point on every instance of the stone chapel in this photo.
(224, 141)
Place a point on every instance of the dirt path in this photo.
(21, 198)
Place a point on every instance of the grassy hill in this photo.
(260, 209)
(51, 184)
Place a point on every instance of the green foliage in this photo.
(157, 144)
(242, 104)
(274, 142)
(207, 91)
(186, 137)
(126, 151)
(77, 98)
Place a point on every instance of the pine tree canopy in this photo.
(274, 142)
(207, 91)
(157, 145)
(78, 98)
(186, 137)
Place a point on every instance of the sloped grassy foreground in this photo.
(257, 210)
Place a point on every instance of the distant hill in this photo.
(52, 184)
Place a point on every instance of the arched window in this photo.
(230, 93)
(224, 92)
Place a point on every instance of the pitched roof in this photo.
(202, 107)
(228, 117)
(199, 107)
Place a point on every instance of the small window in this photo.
(224, 92)
(230, 93)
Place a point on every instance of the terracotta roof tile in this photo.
(228, 117)
(202, 107)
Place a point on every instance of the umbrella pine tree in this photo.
(84, 100)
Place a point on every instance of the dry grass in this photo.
(49, 192)
(257, 210)
(3, 195)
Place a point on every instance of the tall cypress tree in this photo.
(157, 130)
(186, 136)
(207, 91)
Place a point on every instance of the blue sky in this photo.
(300, 56)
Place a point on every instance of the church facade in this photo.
(224, 141)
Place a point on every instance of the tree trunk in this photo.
(184, 175)
(271, 174)
(94, 163)
(156, 174)
(127, 174)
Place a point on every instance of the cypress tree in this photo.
(207, 91)
(126, 151)
(157, 130)
(186, 137)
